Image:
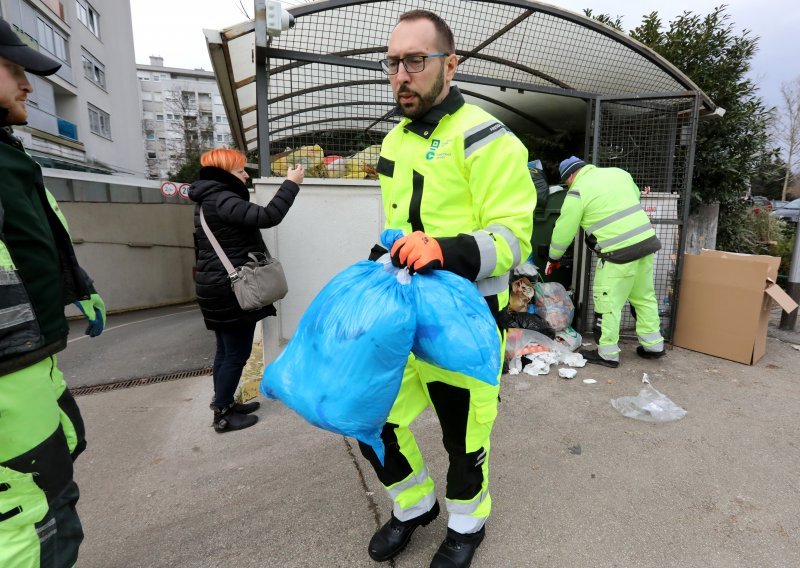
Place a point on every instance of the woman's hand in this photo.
(296, 174)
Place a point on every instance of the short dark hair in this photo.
(444, 32)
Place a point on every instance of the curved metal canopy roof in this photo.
(531, 64)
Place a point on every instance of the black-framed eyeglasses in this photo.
(412, 63)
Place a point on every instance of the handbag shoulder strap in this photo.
(218, 249)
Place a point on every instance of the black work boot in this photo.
(457, 549)
(227, 419)
(645, 354)
(592, 356)
(393, 537)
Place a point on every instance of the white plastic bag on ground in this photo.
(649, 406)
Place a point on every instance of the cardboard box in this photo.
(724, 304)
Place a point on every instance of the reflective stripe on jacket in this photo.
(459, 175)
(605, 202)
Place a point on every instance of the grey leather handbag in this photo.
(255, 284)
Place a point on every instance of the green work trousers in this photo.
(614, 284)
(41, 431)
(466, 409)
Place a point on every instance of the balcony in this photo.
(67, 129)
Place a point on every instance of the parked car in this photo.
(789, 212)
(776, 203)
(761, 202)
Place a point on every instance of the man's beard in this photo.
(424, 102)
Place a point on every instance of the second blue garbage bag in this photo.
(343, 367)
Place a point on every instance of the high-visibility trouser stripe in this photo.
(612, 218)
(493, 286)
(8, 277)
(511, 239)
(479, 136)
(574, 193)
(488, 254)
(609, 352)
(460, 517)
(652, 342)
(625, 236)
(15, 315)
(408, 483)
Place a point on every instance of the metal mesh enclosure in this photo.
(325, 85)
(653, 140)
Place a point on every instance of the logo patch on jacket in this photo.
(438, 150)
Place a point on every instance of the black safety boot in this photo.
(393, 537)
(457, 549)
(246, 407)
(227, 419)
(592, 356)
(645, 354)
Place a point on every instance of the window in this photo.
(51, 40)
(99, 122)
(222, 119)
(170, 116)
(160, 117)
(88, 16)
(152, 155)
(188, 98)
(219, 137)
(156, 77)
(93, 70)
(150, 134)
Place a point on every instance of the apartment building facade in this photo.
(182, 114)
(86, 116)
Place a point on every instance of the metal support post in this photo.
(789, 321)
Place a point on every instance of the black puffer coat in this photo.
(235, 223)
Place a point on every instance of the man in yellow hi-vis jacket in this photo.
(41, 429)
(456, 182)
(605, 202)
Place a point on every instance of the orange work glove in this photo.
(418, 252)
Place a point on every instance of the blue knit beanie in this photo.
(569, 167)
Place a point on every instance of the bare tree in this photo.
(191, 129)
(787, 128)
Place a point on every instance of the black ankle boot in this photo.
(393, 537)
(227, 419)
(457, 549)
(592, 356)
(645, 354)
(246, 407)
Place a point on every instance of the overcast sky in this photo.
(173, 29)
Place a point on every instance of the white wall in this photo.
(332, 224)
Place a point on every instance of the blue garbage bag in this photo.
(455, 328)
(343, 367)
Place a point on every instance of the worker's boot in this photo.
(227, 419)
(457, 549)
(393, 537)
(645, 354)
(592, 356)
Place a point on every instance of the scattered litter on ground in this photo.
(796, 347)
(650, 405)
(645, 379)
(589, 381)
(567, 373)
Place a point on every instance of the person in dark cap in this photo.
(605, 202)
(41, 429)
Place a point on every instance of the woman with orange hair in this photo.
(222, 196)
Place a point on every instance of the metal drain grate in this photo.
(139, 382)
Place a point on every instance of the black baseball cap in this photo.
(16, 51)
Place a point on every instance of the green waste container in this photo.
(544, 220)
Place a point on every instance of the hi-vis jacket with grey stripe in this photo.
(460, 176)
(606, 203)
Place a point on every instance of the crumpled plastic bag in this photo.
(310, 157)
(522, 292)
(343, 367)
(650, 406)
(553, 304)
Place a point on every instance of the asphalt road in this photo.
(138, 344)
